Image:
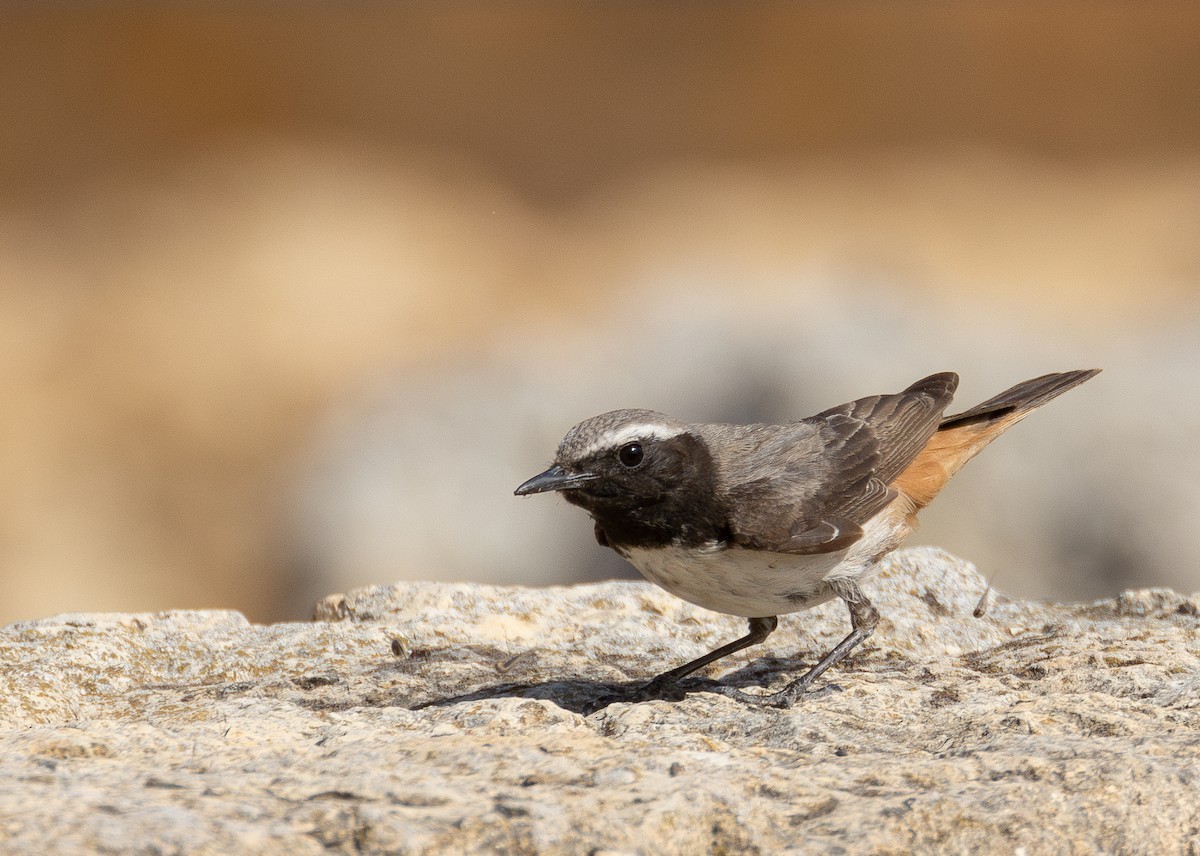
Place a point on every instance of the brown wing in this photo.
(829, 474)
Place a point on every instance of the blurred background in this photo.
(292, 298)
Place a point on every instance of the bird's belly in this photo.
(737, 581)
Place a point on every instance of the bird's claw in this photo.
(782, 699)
(654, 690)
(660, 690)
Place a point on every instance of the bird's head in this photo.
(625, 460)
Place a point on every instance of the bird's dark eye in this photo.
(630, 454)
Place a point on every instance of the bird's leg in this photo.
(760, 629)
(863, 620)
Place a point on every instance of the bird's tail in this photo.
(964, 435)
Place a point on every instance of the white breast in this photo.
(755, 583)
(735, 581)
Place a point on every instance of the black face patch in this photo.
(668, 497)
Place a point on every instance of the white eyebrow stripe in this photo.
(645, 431)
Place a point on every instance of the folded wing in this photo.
(836, 471)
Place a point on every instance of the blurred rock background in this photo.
(292, 298)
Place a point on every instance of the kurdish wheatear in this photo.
(763, 520)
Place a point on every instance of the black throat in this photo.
(677, 503)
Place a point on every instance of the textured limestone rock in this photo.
(438, 718)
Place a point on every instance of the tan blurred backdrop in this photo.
(292, 298)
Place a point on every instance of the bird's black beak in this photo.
(555, 478)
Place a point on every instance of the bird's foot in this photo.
(783, 698)
(673, 690)
(655, 690)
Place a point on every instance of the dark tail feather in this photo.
(963, 436)
(1021, 398)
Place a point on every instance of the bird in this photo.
(765, 520)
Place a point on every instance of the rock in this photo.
(436, 718)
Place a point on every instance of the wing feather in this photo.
(809, 487)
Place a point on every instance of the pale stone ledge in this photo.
(435, 718)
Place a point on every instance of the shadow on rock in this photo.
(587, 697)
(577, 696)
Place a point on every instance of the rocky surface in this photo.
(440, 718)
